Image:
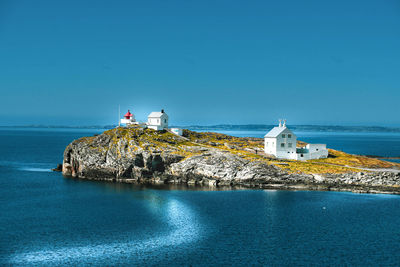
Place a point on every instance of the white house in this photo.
(157, 120)
(128, 119)
(281, 142)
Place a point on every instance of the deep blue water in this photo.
(50, 220)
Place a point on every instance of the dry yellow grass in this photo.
(342, 158)
(337, 162)
(315, 168)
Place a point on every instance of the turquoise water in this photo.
(49, 220)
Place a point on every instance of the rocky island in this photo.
(137, 155)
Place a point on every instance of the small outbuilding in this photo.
(177, 131)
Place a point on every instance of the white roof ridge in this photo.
(276, 131)
(156, 114)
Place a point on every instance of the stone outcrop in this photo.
(135, 155)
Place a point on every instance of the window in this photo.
(283, 135)
(165, 120)
(289, 136)
(290, 145)
(317, 149)
(301, 155)
(282, 144)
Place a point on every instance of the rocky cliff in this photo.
(136, 155)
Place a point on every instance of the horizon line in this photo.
(195, 125)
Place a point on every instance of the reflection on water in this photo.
(35, 169)
(27, 166)
(178, 216)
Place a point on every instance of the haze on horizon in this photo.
(205, 62)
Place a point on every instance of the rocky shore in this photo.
(136, 155)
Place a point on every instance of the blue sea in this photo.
(48, 220)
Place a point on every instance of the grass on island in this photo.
(246, 147)
(342, 158)
(308, 167)
(337, 162)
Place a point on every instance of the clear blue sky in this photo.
(204, 62)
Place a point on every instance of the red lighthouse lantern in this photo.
(128, 115)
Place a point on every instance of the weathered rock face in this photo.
(116, 155)
(223, 168)
(138, 155)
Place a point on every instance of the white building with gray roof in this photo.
(157, 120)
(281, 142)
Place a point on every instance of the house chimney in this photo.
(280, 123)
(162, 111)
(284, 123)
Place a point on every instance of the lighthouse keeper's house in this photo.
(157, 120)
(281, 143)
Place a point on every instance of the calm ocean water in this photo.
(49, 220)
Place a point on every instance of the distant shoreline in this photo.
(234, 127)
(58, 127)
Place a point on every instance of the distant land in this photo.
(233, 127)
(305, 128)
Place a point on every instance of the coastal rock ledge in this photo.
(136, 155)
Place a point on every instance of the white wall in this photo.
(128, 121)
(314, 151)
(155, 127)
(176, 131)
(273, 145)
(303, 156)
(316, 147)
(270, 145)
(154, 121)
(317, 151)
(162, 121)
(288, 150)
